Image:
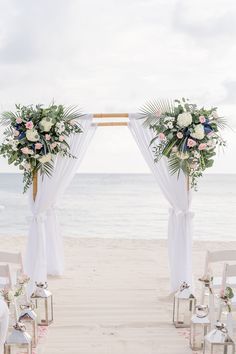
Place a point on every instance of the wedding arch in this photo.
(44, 254)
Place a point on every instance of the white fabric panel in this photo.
(180, 216)
(4, 319)
(45, 249)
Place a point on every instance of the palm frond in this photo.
(72, 112)
(7, 117)
(149, 110)
(221, 122)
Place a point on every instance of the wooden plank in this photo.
(113, 124)
(111, 115)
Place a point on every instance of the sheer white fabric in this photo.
(45, 249)
(4, 319)
(180, 216)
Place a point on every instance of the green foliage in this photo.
(35, 135)
(185, 134)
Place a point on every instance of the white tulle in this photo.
(180, 216)
(45, 249)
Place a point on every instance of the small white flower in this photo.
(215, 114)
(198, 132)
(184, 119)
(60, 127)
(45, 158)
(32, 135)
(169, 125)
(197, 154)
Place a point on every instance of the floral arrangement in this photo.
(35, 135)
(226, 295)
(207, 280)
(186, 135)
(10, 294)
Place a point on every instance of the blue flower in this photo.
(21, 136)
(207, 128)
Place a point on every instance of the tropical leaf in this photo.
(150, 109)
(7, 118)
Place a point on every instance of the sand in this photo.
(114, 297)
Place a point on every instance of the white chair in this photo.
(217, 257)
(15, 261)
(5, 276)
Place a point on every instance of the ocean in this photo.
(124, 206)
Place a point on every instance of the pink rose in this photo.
(202, 119)
(18, 120)
(161, 136)
(158, 113)
(191, 143)
(38, 146)
(53, 145)
(25, 150)
(61, 138)
(202, 146)
(179, 135)
(16, 133)
(29, 125)
(48, 137)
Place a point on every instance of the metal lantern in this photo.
(19, 341)
(29, 318)
(184, 303)
(42, 299)
(218, 341)
(199, 327)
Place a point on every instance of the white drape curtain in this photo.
(45, 249)
(4, 319)
(180, 216)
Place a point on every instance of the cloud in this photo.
(206, 21)
(230, 91)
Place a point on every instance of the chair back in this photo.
(218, 256)
(229, 271)
(13, 258)
(5, 276)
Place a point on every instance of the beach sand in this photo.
(113, 298)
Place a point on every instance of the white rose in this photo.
(45, 158)
(10, 295)
(32, 135)
(184, 119)
(46, 124)
(198, 132)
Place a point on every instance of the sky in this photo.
(113, 56)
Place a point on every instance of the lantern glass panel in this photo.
(197, 334)
(43, 308)
(213, 348)
(31, 329)
(183, 311)
(17, 348)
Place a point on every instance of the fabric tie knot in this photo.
(178, 212)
